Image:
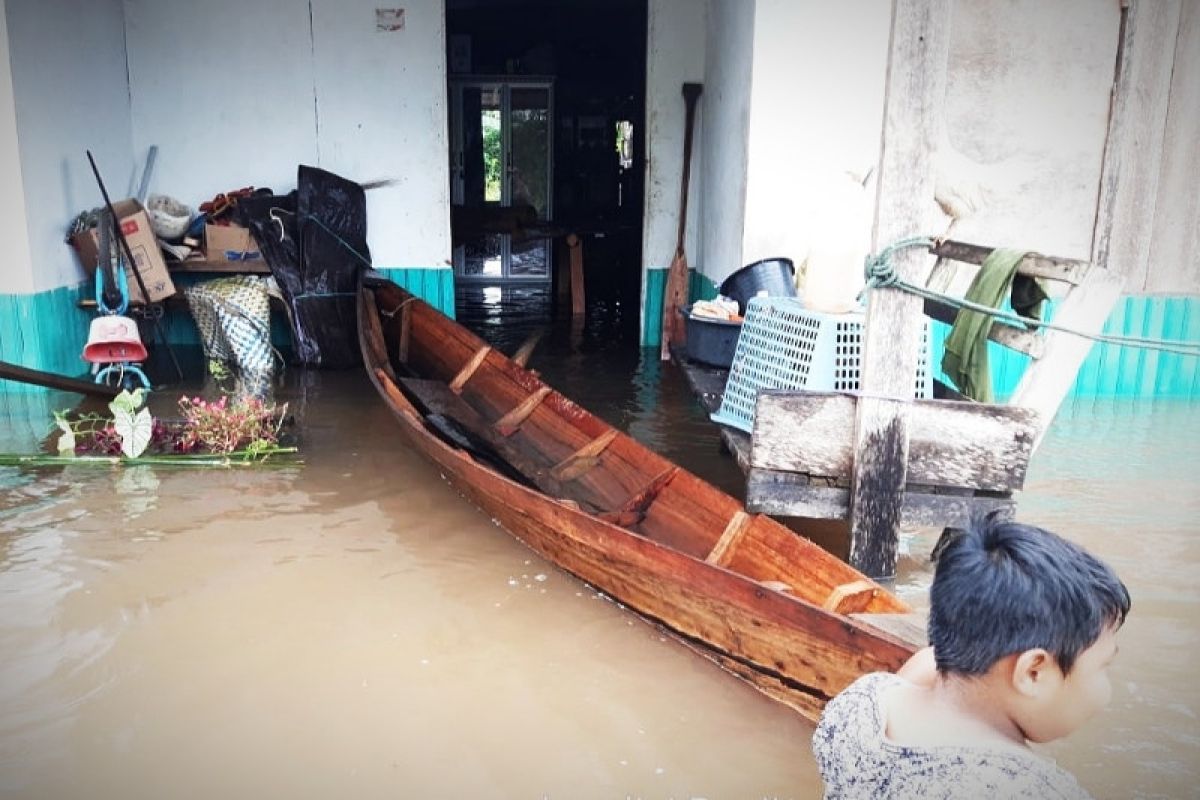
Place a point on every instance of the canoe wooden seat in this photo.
(851, 597)
(729, 537)
(510, 423)
(584, 459)
(633, 511)
(464, 374)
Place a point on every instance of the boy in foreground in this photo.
(1023, 627)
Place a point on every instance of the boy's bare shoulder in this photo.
(857, 760)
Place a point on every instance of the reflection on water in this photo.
(352, 626)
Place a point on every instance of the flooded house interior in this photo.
(568, 398)
(547, 140)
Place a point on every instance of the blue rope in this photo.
(880, 273)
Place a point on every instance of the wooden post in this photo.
(575, 245)
(915, 90)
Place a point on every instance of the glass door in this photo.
(500, 179)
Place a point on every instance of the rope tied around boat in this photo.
(880, 273)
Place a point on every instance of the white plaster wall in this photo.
(263, 86)
(1175, 246)
(675, 42)
(725, 120)
(16, 271)
(819, 71)
(1026, 117)
(382, 114)
(70, 94)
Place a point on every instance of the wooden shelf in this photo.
(256, 266)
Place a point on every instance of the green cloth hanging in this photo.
(966, 358)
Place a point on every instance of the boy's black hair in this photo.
(1002, 588)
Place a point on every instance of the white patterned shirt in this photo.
(857, 761)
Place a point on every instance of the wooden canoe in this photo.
(744, 590)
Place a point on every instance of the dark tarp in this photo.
(315, 241)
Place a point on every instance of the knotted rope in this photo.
(880, 273)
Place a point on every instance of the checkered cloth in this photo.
(234, 318)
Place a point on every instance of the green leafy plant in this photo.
(218, 431)
(132, 422)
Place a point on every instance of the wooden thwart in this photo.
(583, 459)
(641, 500)
(510, 422)
(464, 375)
(850, 597)
(733, 531)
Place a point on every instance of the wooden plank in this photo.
(1035, 265)
(440, 400)
(733, 531)
(1046, 381)
(644, 497)
(575, 248)
(970, 445)
(511, 422)
(851, 597)
(914, 90)
(405, 332)
(909, 628)
(788, 494)
(373, 335)
(1133, 151)
(523, 353)
(583, 459)
(1024, 341)
(460, 380)
(256, 266)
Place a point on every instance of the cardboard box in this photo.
(229, 243)
(135, 225)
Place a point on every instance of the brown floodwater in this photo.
(351, 626)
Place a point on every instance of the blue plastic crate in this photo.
(786, 346)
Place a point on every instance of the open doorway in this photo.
(546, 102)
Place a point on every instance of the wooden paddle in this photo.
(675, 296)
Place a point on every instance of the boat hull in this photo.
(796, 652)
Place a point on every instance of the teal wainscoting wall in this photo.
(1108, 371)
(699, 288)
(434, 286)
(45, 331)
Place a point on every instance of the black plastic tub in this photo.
(711, 341)
(777, 276)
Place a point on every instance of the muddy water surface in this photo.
(352, 627)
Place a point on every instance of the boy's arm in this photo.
(920, 668)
